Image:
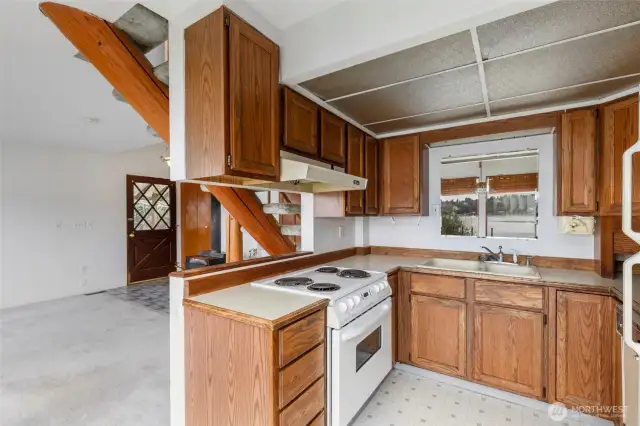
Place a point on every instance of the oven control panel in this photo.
(357, 303)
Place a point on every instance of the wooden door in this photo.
(508, 348)
(371, 173)
(577, 163)
(355, 166)
(619, 132)
(195, 220)
(583, 349)
(151, 228)
(401, 176)
(300, 123)
(393, 283)
(253, 102)
(332, 138)
(438, 334)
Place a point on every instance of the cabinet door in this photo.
(508, 348)
(332, 138)
(583, 349)
(393, 283)
(400, 175)
(619, 132)
(438, 334)
(355, 166)
(371, 200)
(577, 163)
(253, 102)
(300, 123)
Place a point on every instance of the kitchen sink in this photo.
(489, 268)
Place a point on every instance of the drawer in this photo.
(305, 408)
(438, 285)
(524, 296)
(298, 375)
(318, 421)
(299, 337)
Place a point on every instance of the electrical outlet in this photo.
(89, 224)
(58, 224)
(85, 282)
(340, 231)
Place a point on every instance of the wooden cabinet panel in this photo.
(438, 334)
(577, 163)
(318, 421)
(300, 374)
(524, 296)
(619, 132)
(304, 409)
(438, 285)
(400, 176)
(299, 337)
(300, 131)
(403, 300)
(393, 283)
(195, 220)
(583, 349)
(355, 166)
(371, 173)
(253, 101)
(332, 138)
(508, 348)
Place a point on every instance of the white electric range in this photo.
(358, 342)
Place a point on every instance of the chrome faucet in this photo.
(495, 257)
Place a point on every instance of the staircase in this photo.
(287, 214)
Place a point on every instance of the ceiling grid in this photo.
(560, 54)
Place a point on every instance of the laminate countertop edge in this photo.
(257, 321)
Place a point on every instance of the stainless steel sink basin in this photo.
(489, 268)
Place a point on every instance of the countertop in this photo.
(258, 305)
(273, 308)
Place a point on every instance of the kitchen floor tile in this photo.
(406, 399)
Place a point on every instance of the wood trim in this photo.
(403, 299)
(209, 283)
(550, 330)
(115, 57)
(234, 240)
(257, 321)
(540, 261)
(248, 262)
(471, 306)
(538, 121)
(245, 207)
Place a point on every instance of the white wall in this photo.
(326, 234)
(406, 232)
(64, 219)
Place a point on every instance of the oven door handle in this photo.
(378, 312)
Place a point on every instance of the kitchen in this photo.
(416, 169)
(527, 321)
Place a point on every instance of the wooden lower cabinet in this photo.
(393, 283)
(508, 349)
(584, 349)
(438, 334)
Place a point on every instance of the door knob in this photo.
(131, 235)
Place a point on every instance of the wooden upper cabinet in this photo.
(332, 138)
(577, 163)
(438, 334)
(508, 349)
(355, 167)
(231, 100)
(371, 173)
(401, 176)
(618, 132)
(300, 130)
(583, 349)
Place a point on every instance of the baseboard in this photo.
(499, 394)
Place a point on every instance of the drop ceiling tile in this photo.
(586, 60)
(428, 58)
(443, 91)
(562, 97)
(458, 114)
(553, 22)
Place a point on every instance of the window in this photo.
(490, 196)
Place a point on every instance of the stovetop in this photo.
(326, 282)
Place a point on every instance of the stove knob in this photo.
(342, 307)
(374, 289)
(356, 300)
(350, 303)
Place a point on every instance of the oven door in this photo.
(360, 360)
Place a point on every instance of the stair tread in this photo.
(282, 208)
(145, 27)
(291, 230)
(162, 72)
